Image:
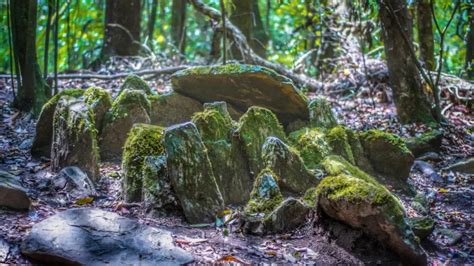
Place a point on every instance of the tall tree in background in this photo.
(151, 22)
(470, 45)
(424, 19)
(410, 100)
(32, 90)
(178, 24)
(245, 14)
(122, 28)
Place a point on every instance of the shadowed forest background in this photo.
(245, 131)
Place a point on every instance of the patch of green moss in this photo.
(254, 127)
(127, 100)
(374, 135)
(311, 197)
(265, 195)
(213, 125)
(339, 141)
(95, 95)
(355, 191)
(67, 92)
(143, 140)
(321, 114)
(336, 165)
(311, 144)
(134, 82)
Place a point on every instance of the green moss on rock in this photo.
(213, 125)
(311, 144)
(427, 142)
(254, 127)
(265, 195)
(336, 165)
(143, 140)
(337, 138)
(127, 100)
(100, 101)
(422, 226)
(321, 114)
(134, 82)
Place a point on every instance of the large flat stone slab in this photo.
(243, 86)
(96, 237)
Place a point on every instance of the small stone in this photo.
(464, 166)
(12, 194)
(287, 216)
(321, 114)
(134, 82)
(73, 181)
(95, 237)
(172, 108)
(422, 226)
(426, 142)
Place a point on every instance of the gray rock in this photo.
(12, 194)
(4, 250)
(321, 114)
(464, 166)
(74, 181)
(191, 173)
(243, 86)
(287, 216)
(172, 108)
(422, 226)
(75, 138)
(96, 237)
(426, 142)
(224, 108)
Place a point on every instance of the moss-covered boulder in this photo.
(265, 195)
(44, 126)
(338, 139)
(422, 226)
(75, 137)
(220, 105)
(228, 160)
(360, 159)
(158, 193)
(254, 127)
(321, 114)
(288, 215)
(100, 101)
(388, 154)
(243, 86)
(336, 165)
(311, 144)
(134, 82)
(427, 142)
(286, 163)
(191, 173)
(172, 108)
(371, 208)
(143, 140)
(130, 107)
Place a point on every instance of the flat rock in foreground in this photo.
(96, 237)
(243, 86)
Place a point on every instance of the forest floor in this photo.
(328, 242)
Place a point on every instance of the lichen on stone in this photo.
(94, 95)
(213, 125)
(134, 82)
(311, 144)
(253, 128)
(143, 140)
(265, 195)
(338, 140)
(321, 114)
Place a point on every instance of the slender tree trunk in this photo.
(410, 100)
(32, 90)
(47, 35)
(245, 14)
(56, 47)
(178, 25)
(122, 28)
(470, 46)
(151, 22)
(424, 20)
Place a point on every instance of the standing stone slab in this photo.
(172, 108)
(96, 237)
(130, 107)
(243, 86)
(44, 126)
(75, 138)
(100, 101)
(191, 173)
(12, 194)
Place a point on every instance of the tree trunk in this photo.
(424, 20)
(245, 14)
(33, 91)
(470, 46)
(178, 25)
(410, 100)
(151, 22)
(122, 28)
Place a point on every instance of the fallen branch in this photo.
(154, 72)
(248, 55)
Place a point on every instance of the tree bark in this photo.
(32, 90)
(122, 28)
(470, 46)
(245, 14)
(151, 22)
(424, 19)
(178, 25)
(411, 102)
